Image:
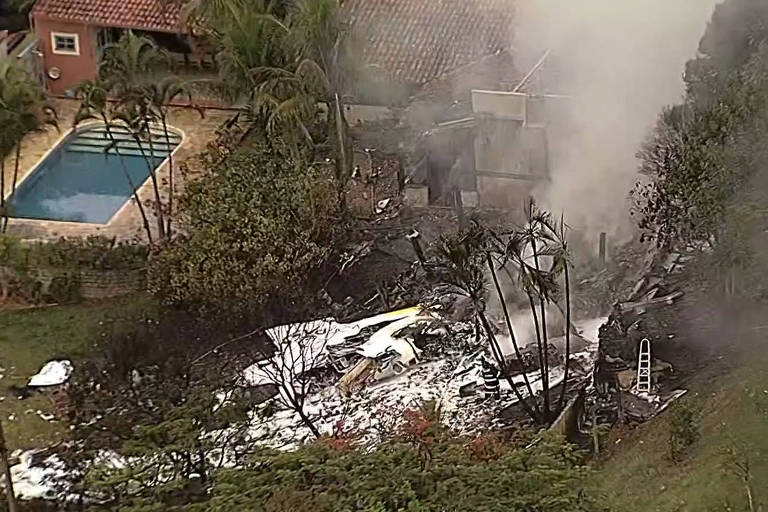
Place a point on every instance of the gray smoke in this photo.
(621, 61)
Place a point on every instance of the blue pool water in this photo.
(84, 178)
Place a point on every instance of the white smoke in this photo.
(622, 61)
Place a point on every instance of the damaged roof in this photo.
(417, 41)
(156, 15)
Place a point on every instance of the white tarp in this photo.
(53, 373)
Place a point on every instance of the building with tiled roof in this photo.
(71, 33)
(151, 15)
(407, 42)
(418, 41)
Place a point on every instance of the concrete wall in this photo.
(500, 104)
(361, 114)
(508, 146)
(74, 68)
(511, 194)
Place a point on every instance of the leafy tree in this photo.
(284, 58)
(22, 111)
(157, 410)
(257, 226)
(700, 156)
(706, 158)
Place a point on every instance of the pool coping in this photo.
(94, 225)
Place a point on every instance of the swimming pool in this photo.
(84, 178)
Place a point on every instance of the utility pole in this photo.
(9, 492)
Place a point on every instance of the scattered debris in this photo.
(35, 478)
(383, 204)
(53, 373)
(629, 384)
(419, 357)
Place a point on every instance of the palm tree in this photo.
(129, 66)
(160, 95)
(285, 57)
(94, 105)
(321, 51)
(22, 110)
(527, 248)
(461, 265)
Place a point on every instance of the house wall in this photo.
(510, 194)
(74, 68)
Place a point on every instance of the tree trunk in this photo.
(342, 182)
(134, 190)
(561, 402)
(16, 167)
(544, 338)
(308, 422)
(155, 186)
(170, 178)
(14, 182)
(499, 356)
(508, 321)
(6, 468)
(2, 194)
(540, 351)
(151, 167)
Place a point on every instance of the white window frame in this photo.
(76, 37)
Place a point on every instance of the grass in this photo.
(30, 338)
(639, 474)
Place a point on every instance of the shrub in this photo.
(685, 430)
(259, 224)
(544, 477)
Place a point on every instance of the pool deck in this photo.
(126, 223)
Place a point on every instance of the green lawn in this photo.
(640, 476)
(30, 338)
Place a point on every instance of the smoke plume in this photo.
(621, 61)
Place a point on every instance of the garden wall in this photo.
(104, 284)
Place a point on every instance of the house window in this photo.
(66, 44)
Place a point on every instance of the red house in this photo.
(72, 33)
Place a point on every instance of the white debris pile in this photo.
(36, 479)
(377, 409)
(53, 373)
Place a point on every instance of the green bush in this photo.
(463, 475)
(685, 430)
(259, 224)
(545, 477)
(91, 253)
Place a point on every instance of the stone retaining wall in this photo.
(93, 284)
(96, 284)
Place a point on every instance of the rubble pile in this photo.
(419, 356)
(647, 313)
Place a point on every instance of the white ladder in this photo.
(644, 367)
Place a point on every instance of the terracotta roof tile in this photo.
(416, 41)
(138, 14)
